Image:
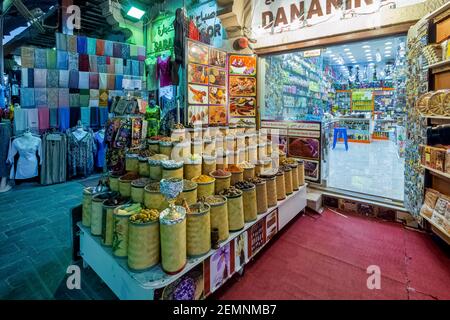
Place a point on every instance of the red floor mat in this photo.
(326, 257)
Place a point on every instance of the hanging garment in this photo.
(54, 158)
(27, 98)
(123, 137)
(40, 97)
(127, 67)
(40, 78)
(84, 98)
(91, 46)
(40, 58)
(110, 65)
(95, 120)
(83, 80)
(61, 42)
(24, 78)
(135, 68)
(103, 81)
(169, 115)
(52, 78)
(63, 118)
(20, 121)
(152, 83)
(74, 99)
(72, 43)
(73, 61)
(27, 165)
(33, 120)
(100, 47)
(141, 53)
(63, 78)
(93, 80)
(83, 62)
(125, 51)
(111, 82)
(153, 117)
(27, 57)
(101, 65)
(52, 98)
(108, 48)
(51, 59)
(103, 116)
(62, 60)
(63, 98)
(80, 154)
(74, 79)
(163, 72)
(5, 135)
(53, 118)
(82, 44)
(100, 157)
(118, 82)
(193, 32)
(118, 65)
(141, 68)
(133, 52)
(44, 119)
(117, 50)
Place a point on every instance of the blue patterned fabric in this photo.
(63, 98)
(52, 78)
(82, 44)
(73, 61)
(83, 80)
(73, 79)
(63, 78)
(51, 59)
(62, 60)
(40, 78)
(118, 82)
(63, 118)
(40, 97)
(52, 98)
(61, 42)
(40, 58)
(108, 48)
(27, 98)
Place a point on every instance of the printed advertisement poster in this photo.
(271, 224)
(257, 238)
(312, 169)
(189, 287)
(219, 267)
(242, 65)
(240, 251)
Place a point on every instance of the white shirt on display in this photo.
(27, 165)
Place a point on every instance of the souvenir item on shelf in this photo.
(249, 199)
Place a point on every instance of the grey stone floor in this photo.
(35, 244)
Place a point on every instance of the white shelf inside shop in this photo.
(440, 64)
(437, 172)
(445, 236)
(127, 284)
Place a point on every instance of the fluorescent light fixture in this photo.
(366, 47)
(387, 55)
(346, 49)
(367, 50)
(135, 13)
(387, 48)
(332, 55)
(388, 43)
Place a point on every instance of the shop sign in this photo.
(206, 19)
(285, 15)
(163, 34)
(312, 53)
(304, 126)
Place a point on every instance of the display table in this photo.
(142, 286)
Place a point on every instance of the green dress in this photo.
(153, 117)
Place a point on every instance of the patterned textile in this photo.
(52, 78)
(95, 122)
(82, 44)
(93, 103)
(63, 78)
(141, 68)
(44, 117)
(111, 85)
(117, 50)
(91, 46)
(27, 57)
(84, 98)
(83, 81)
(24, 78)
(73, 61)
(108, 48)
(93, 80)
(74, 100)
(40, 58)
(118, 65)
(101, 64)
(72, 44)
(62, 60)
(53, 121)
(103, 98)
(94, 94)
(118, 82)
(40, 78)
(27, 98)
(134, 68)
(111, 67)
(61, 42)
(103, 116)
(133, 52)
(31, 78)
(115, 159)
(52, 98)
(100, 47)
(86, 116)
(141, 53)
(93, 63)
(51, 59)
(127, 67)
(40, 97)
(73, 79)
(63, 118)
(125, 51)
(103, 81)
(83, 62)
(63, 98)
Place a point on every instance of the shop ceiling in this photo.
(47, 12)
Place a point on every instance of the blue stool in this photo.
(340, 133)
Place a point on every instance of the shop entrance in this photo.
(356, 91)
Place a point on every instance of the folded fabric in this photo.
(95, 121)
(103, 81)
(127, 83)
(64, 118)
(133, 52)
(61, 41)
(27, 57)
(103, 116)
(81, 44)
(75, 116)
(141, 53)
(72, 43)
(40, 58)
(108, 48)
(86, 116)
(51, 59)
(93, 103)
(91, 46)
(52, 98)
(52, 78)
(63, 98)
(40, 78)
(20, 120)
(125, 51)
(27, 98)
(33, 120)
(62, 60)
(74, 79)
(73, 61)
(111, 85)
(94, 94)
(53, 118)
(40, 97)
(118, 65)
(83, 80)
(111, 67)
(103, 98)
(127, 67)
(44, 119)
(118, 82)
(24, 78)
(100, 47)
(93, 80)
(117, 50)
(141, 68)
(135, 68)
(84, 98)
(93, 63)
(74, 100)
(63, 78)
(83, 62)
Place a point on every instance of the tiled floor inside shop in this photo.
(373, 169)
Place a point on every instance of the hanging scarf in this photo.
(61, 42)
(63, 78)
(100, 47)
(40, 78)
(62, 60)
(52, 98)
(91, 46)
(40, 97)
(72, 44)
(40, 58)
(27, 57)
(51, 59)
(52, 78)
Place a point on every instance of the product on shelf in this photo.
(198, 225)
(219, 216)
(223, 180)
(249, 198)
(206, 185)
(235, 208)
(137, 189)
(173, 239)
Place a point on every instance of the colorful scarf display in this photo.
(63, 98)
(62, 60)
(40, 97)
(117, 50)
(40, 58)
(93, 66)
(108, 48)
(72, 44)
(73, 79)
(118, 65)
(73, 61)
(63, 78)
(82, 45)
(52, 98)
(61, 42)
(51, 59)
(27, 98)
(52, 78)
(27, 57)
(100, 47)
(40, 78)
(83, 80)
(111, 85)
(93, 80)
(83, 62)
(91, 46)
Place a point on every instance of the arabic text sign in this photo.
(205, 17)
(163, 34)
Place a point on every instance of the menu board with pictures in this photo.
(242, 88)
(207, 79)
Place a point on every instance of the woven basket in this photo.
(190, 195)
(154, 200)
(144, 169)
(237, 177)
(250, 205)
(108, 223)
(249, 173)
(261, 197)
(124, 187)
(120, 232)
(198, 231)
(295, 183)
(173, 244)
(288, 181)
(87, 206)
(221, 183)
(281, 187)
(143, 245)
(97, 212)
(219, 218)
(192, 170)
(235, 213)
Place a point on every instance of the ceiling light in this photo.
(387, 48)
(388, 43)
(332, 55)
(135, 13)
(346, 49)
(366, 46)
(387, 52)
(387, 55)
(367, 50)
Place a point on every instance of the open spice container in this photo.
(206, 185)
(173, 239)
(189, 193)
(165, 147)
(132, 163)
(237, 173)
(249, 200)
(249, 170)
(125, 183)
(223, 180)
(301, 172)
(121, 216)
(143, 240)
(114, 181)
(219, 215)
(172, 169)
(137, 189)
(261, 194)
(155, 168)
(153, 198)
(198, 225)
(235, 208)
(192, 167)
(97, 211)
(144, 170)
(86, 208)
(153, 145)
(287, 179)
(209, 164)
(271, 187)
(281, 185)
(109, 206)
